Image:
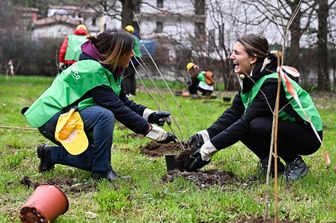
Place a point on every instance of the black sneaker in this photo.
(296, 169)
(44, 153)
(264, 165)
(110, 175)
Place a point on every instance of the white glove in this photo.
(160, 135)
(207, 151)
(146, 113)
(157, 133)
(205, 135)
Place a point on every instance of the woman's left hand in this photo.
(196, 162)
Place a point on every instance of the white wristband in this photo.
(207, 151)
(157, 133)
(146, 113)
(205, 135)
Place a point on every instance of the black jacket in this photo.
(125, 111)
(234, 123)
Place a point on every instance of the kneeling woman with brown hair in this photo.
(92, 88)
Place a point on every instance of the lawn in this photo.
(146, 197)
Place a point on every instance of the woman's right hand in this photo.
(196, 141)
(160, 135)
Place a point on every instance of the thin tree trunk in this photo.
(322, 51)
(127, 12)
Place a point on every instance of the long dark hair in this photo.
(112, 44)
(255, 45)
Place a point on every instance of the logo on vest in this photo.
(75, 72)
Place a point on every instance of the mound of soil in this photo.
(203, 179)
(66, 184)
(183, 159)
(154, 149)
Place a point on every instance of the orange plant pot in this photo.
(45, 204)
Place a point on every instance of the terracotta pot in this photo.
(45, 204)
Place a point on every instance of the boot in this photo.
(264, 166)
(44, 153)
(110, 175)
(296, 169)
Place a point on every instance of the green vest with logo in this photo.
(305, 99)
(68, 87)
(73, 50)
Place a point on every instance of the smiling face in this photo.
(243, 63)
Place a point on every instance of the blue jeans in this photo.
(98, 126)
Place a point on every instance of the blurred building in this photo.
(62, 19)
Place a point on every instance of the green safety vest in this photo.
(305, 99)
(68, 87)
(136, 47)
(201, 76)
(73, 49)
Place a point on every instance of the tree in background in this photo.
(323, 10)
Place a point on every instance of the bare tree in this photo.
(322, 49)
(111, 9)
(278, 13)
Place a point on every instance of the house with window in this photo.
(62, 19)
(174, 25)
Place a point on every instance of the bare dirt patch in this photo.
(154, 149)
(68, 185)
(203, 179)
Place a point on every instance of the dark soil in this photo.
(203, 179)
(68, 185)
(154, 149)
(183, 159)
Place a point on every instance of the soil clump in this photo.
(68, 185)
(154, 149)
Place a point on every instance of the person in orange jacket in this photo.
(71, 47)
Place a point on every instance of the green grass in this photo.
(146, 198)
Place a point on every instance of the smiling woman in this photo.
(247, 51)
(249, 119)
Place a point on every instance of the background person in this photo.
(249, 119)
(200, 80)
(71, 47)
(93, 88)
(10, 68)
(129, 80)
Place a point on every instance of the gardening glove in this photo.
(201, 157)
(157, 117)
(197, 140)
(160, 135)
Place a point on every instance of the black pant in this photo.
(193, 86)
(204, 92)
(129, 81)
(293, 139)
